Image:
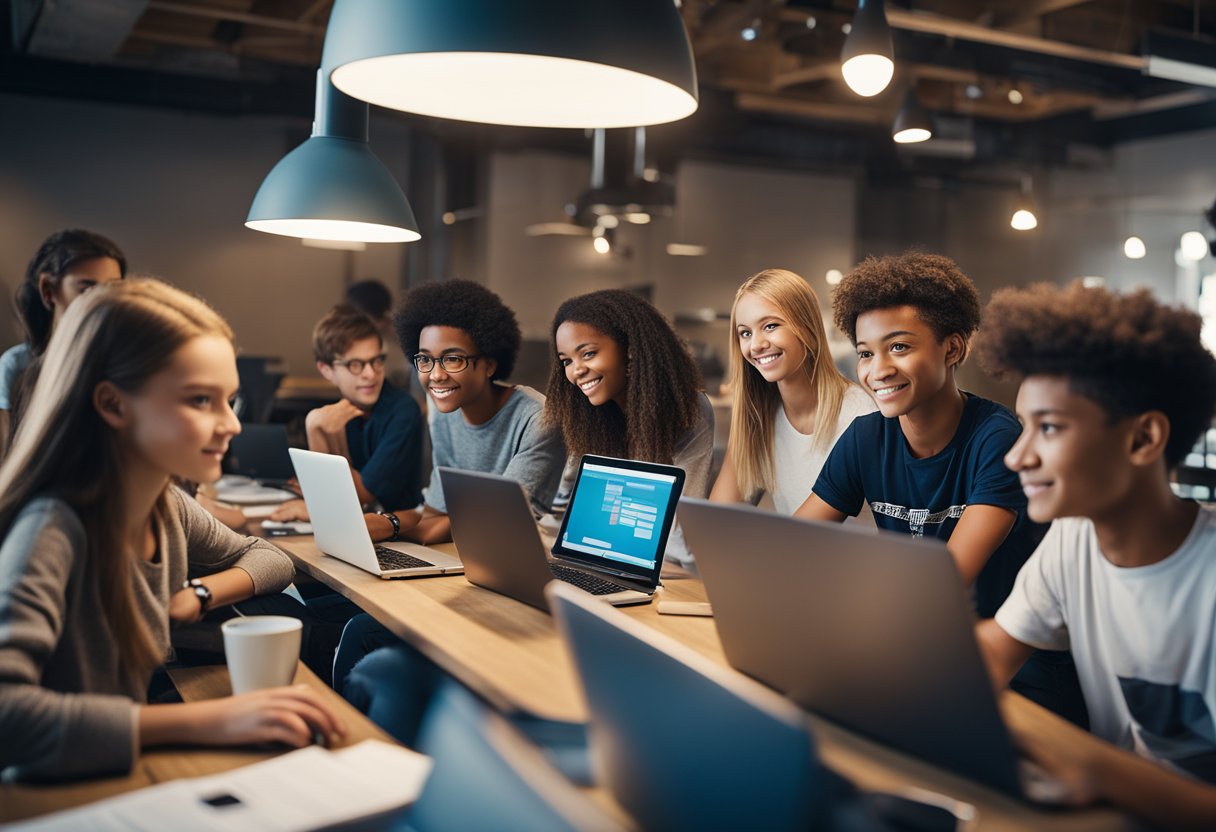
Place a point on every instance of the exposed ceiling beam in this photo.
(235, 16)
(315, 11)
(1024, 11)
(819, 110)
(83, 30)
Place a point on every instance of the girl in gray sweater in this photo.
(100, 554)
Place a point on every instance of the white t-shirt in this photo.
(1143, 638)
(797, 461)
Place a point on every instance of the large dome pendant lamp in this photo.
(527, 63)
(868, 58)
(332, 187)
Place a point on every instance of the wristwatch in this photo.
(201, 592)
(392, 518)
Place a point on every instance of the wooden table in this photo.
(512, 656)
(162, 764)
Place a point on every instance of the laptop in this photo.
(260, 452)
(873, 631)
(610, 544)
(339, 529)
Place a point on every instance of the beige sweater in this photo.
(66, 707)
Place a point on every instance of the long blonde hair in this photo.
(124, 333)
(756, 400)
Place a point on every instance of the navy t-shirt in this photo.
(925, 497)
(386, 449)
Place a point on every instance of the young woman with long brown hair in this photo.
(100, 553)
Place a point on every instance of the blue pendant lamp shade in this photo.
(868, 59)
(332, 187)
(527, 63)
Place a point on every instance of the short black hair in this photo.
(1127, 353)
(371, 297)
(464, 305)
(943, 297)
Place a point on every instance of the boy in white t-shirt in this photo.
(1115, 391)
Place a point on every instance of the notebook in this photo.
(610, 544)
(873, 631)
(340, 531)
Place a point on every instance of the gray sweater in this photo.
(67, 708)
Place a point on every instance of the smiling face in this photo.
(766, 339)
(1072, 460)
(593, 362)
(452, 391)
(901, 361)
(180, 421)
(361, 389)
(79, 278)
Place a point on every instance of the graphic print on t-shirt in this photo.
(917, 518)
(1174, 724)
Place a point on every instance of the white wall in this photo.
(173, 189)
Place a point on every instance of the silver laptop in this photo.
(339, 529)
(610, 544)
(870, 630)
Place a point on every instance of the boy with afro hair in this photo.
(930, 462)
(1115, 390)
(463, 342)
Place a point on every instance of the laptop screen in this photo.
(620, 514)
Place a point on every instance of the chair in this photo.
(682, 742)
(487, 775)
(255, 401)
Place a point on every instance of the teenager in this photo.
(930, 461)
(67, 264)
(625, 386)
(463, 342)
(1115, 391)
(375, 426)
(373, 298)
(789, 401)
(100, 554)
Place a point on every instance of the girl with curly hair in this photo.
(790, 404)
(624, 385)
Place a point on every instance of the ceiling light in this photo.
(686, 250)
(846, 28)
(834, 276)
(1134, 248)
(1024, 220)
(601, 245)
(811, 22)
(913, 123)
(332, 187)
(335, 245)
(1093, 282)
(750, 33)
(868, 59)
(637, 217)
(1194, 246)
(609, 220)
(1016, 97)
(529, 63)
(974, 92)
(1184, 59)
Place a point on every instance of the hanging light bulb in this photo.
(868, 59)
(1024, 218)
(1194, 246)
(1134, 248)
(913, 123)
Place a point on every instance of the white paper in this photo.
(305, 789)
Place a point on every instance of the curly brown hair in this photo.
(1127, 353)
(943, 297)
(662, 382)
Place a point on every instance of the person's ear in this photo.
(1150, 434)
(326, 370)
(111, 405)
(46, 290)
(956, 350)
(491, 365)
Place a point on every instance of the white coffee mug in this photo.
(262, 651)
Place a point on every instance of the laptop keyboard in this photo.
(392, 559)
(583, 580)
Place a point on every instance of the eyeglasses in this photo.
(452, 362)
(356, 365)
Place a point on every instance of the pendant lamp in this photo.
(332, 187)
(868, 59)
(529, 63)
(913, 123)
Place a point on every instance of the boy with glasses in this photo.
(463, 343)
(376, 426)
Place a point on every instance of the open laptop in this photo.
(873, 631)
(339, 529)
(611, 540)
(260, 452)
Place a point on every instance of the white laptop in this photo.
(339, 528)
